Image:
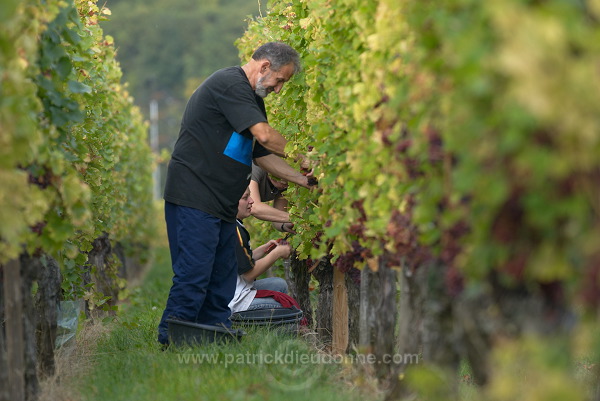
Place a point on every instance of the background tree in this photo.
(167, 48)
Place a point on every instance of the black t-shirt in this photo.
(211, 164)
(243, 251)
(266, 189)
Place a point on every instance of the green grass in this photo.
(128, 363)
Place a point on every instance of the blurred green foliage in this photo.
(461, 131)
(167, 48)
(70, 137)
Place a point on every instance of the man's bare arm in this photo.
(279, 168)
(263, 211)
(263, 264)
(269, 137)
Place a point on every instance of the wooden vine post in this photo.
(368, 286)
(15, 347)
(340, 313)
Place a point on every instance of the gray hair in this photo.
(279, 54)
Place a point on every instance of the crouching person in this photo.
(251, 294)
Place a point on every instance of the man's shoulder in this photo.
(227, 81)
(229, 74)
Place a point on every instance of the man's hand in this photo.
(311, 180)
(305, 164)
(279, 247)
(283, 250)
(306, 168)
(287, 228)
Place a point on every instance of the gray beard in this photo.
(261, 90)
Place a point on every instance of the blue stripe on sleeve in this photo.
(239, 148)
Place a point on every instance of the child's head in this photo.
(245, 205)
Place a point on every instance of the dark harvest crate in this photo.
(189, 333)
(285, 320)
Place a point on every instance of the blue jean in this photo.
(204, 267)
(273, 284)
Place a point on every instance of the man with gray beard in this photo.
(224, 128)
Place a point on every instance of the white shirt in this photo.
(244, 295)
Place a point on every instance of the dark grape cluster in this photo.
(43, 179)
(452, 241)
(403, 145)
(38, 228)
(436, 150)
(348, 261)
